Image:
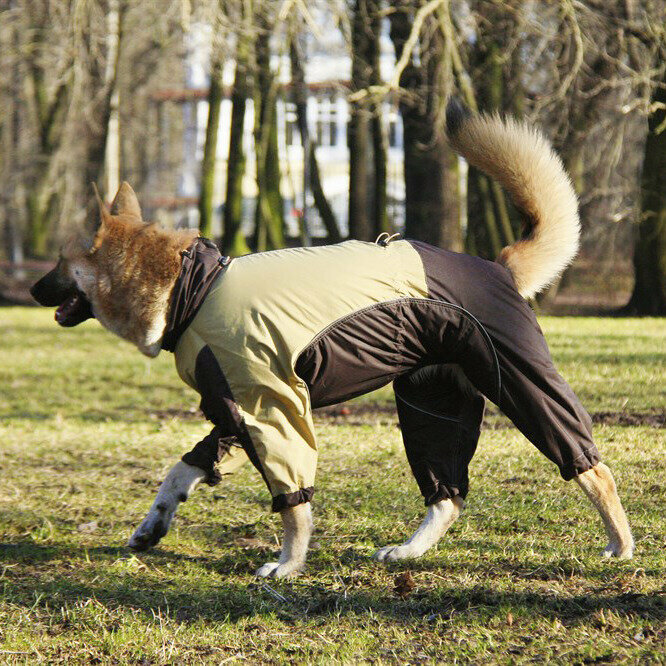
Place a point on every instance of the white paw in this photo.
(395, 553)
(277, 570)
(151, 530)
(622, 552)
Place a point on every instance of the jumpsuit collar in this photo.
(202, 262)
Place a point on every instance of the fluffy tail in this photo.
(522, 160)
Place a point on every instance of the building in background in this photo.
(181, 114)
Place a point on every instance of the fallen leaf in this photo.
(404, 584)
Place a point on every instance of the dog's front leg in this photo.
(599, 486)
(439, 518)
(181, 480)
(297, 524)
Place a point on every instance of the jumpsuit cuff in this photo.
(443, 492)
(582, 463)
(288, 500)
(208, 453)
(213, 477)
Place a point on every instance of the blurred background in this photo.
(271, 123)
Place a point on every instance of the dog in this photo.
(264, 338)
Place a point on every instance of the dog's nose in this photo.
(37, 291)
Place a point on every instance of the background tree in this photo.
(365, 137)
(649, 293)
(215, 95)
(269, 214)
(50, 79)
(432, 183)
(233, 240)
(311, 164)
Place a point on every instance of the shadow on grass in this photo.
(148, 583)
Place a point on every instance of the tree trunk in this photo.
(41, 205)
(299, 90)
(51, 111)
(489, 224)
(97, 128)
(215, 94)
(432, 193)
(483, 235)
(380, 158)
(359, 131)
(649, 295)
(10, 133)
(233, 241)
(40, 200)
(269, 219)
(112, 150)
(379, 148)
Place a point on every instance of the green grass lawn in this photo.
(89, 427)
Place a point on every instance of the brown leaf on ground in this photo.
(404, 584)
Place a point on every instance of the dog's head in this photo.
(121, 274)
(59, 288)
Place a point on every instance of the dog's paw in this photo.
(621, 551)
(277, 570)
(395, 553)
(147, 535)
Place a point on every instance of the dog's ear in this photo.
(104, 213)
(104, 219)
(125, 202)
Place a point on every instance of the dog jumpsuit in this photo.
(265, 338)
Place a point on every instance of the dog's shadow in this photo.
(229, 591)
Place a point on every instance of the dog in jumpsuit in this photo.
(268, 337)
(342, 320)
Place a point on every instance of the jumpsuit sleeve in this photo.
(281, 441)
(222, 451)
(269, 417)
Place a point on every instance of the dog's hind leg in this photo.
(181, 480)
(439, 518)
(599, 486)
(440, 416)
(297, 523)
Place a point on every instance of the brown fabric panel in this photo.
(375, 345)
(533, 394)
(208, 452)
(480, 286)
(288, 500)
(201, 264)
(440, 416)
(218, 405)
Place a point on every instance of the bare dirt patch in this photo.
(651, 419)
(364, 414)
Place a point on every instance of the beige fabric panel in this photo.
(187, 350)
(261, 314)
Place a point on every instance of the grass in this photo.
(89, 427)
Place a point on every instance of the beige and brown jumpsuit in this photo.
(266, 337)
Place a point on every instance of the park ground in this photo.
(89, 427)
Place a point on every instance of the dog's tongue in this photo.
(74, 310)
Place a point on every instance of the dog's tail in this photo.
(522, 160)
